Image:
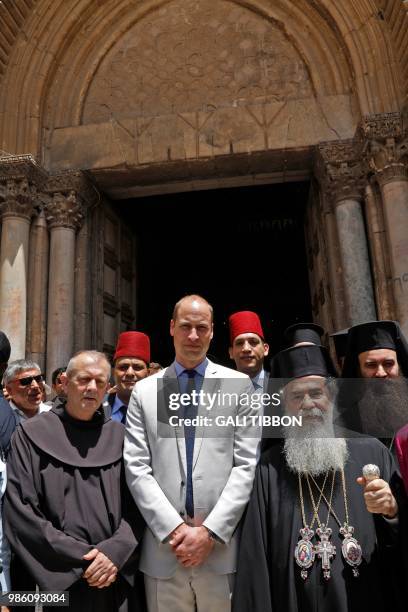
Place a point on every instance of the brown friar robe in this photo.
(66, 495)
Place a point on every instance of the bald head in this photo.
(87, 358)
(192, 330)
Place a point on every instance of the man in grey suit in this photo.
(191, 485)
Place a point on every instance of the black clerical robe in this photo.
(7, 426)
(66, 495)
(268, 578)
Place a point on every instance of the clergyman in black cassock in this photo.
(268, 577)
(67, 496)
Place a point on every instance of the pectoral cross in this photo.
(324, 549)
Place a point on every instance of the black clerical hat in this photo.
(303, 332)
(340, 342)
(374, 335)
(5, 348)
(298, 361)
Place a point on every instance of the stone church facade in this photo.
(105, 100)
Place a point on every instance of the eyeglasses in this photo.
(27, 380)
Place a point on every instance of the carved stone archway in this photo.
(169, 95)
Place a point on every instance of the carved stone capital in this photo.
(340, 171)
(20, 179)
(66, 198)
(386, 146)
(64, 209)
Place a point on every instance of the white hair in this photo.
(18, 366)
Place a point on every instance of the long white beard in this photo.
(313, 447)
(315, 455)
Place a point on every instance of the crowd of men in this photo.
(127, 503)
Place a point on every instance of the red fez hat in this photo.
(244, 322)
(133, 344)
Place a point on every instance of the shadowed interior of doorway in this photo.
(240, 248)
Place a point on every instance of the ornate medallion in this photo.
(304, 551)
(351, 549)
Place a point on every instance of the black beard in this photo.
(383, 406)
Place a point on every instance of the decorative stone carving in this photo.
(20, 179)
(72, 181)
(384, 125)
(64, 210)
(65, 198)
(195, 55)
(340, 170)
(16, 198)
(21, 166)
(387, 146)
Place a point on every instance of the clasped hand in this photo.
(191, 545)
(101, 572)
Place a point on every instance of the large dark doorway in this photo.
(240, 248)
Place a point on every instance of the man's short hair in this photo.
(56, 374)
(18, 366)
(192, 296)
(95, 356)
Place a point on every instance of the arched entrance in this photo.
(118, 100)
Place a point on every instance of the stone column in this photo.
(379, 253)
(19, 178)
(83, 287)
(38, 290)
(64, 212)
(387, 153)
(343, 179)
(335, 266)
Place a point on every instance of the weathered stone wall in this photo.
(202, 78)
(162, 95)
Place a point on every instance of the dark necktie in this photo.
(122, 411)
(190, 411)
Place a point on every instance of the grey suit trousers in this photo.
(190, 589)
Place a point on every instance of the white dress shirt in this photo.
(21, 416)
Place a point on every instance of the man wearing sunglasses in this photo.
(25, 385)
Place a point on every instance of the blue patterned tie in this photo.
(190, 412)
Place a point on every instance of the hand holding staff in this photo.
(377, 493)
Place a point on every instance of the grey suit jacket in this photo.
(223, 468)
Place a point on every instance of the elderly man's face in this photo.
(309, 397)
(26, 392)
(248, 351)
(85, 387)
(379, 363)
